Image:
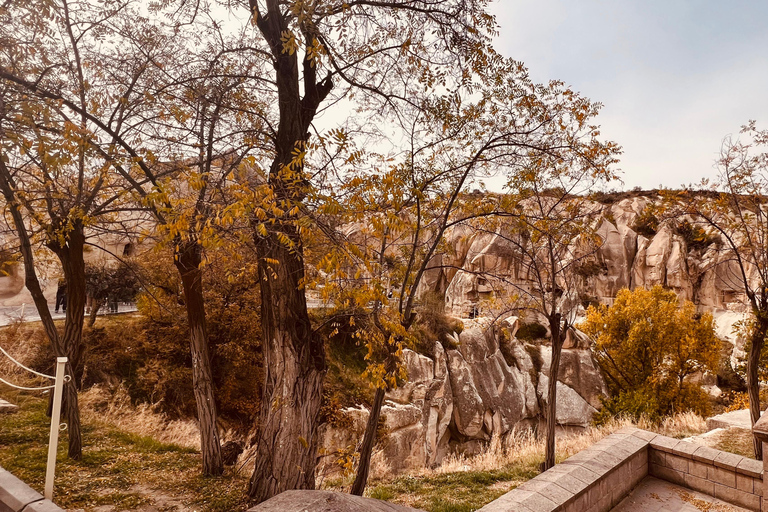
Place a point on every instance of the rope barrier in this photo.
(25, 388)
(22, 366)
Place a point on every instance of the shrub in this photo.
(696, 238)
(647, 223)
(432, 324)
(150, 352)
(531, 331)
(646, 345)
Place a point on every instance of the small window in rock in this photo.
(128, 249)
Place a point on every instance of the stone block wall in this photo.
(598, 478)
(726, 476)
(16, 496)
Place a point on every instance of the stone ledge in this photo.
(599, 477)
(595, 479)
(326, 501)
(16, 496)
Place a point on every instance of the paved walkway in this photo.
(738, 419)
(28, 313)
(654, 495)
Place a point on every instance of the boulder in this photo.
(484, 385)
(326, 501)
(572, 409)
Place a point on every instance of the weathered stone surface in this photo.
(15, 494)
(572, 409)
(460, 398)
(325, 501)
(579, 372)
(7, 407)
(485, 386)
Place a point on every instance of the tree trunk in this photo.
(753, 381)
(369, 440)
(294, 367)
(294, 356)
(95, 306)
(73, 265)
(70, 406)
(557, 345)
(187, 259)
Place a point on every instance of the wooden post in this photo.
(53, 440)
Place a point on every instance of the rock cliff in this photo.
(487, 383)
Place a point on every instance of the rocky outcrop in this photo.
(326, 501)
(458, 399)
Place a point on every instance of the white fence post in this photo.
(53, 440)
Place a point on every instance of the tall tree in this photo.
(54, 184)
(738, 213)
(551, 230)
(164, 112)
(376, 53)
(395, 210)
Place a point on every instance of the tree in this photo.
(738, 214)
(379, 53)
(53, 182)
(162, 111)
(647, 344)
(551, 231)
(393, 212)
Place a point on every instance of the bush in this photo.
(696, 238)
(531, 331)
(150, 352)
(647, 345)
(432, 324)
(647, 223)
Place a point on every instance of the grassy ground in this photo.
(736, 440)
(118, 470)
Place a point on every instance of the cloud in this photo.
(675, 77)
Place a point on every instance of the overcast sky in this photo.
(674, 76)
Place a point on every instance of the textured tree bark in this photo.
(361, 478)
(753, 381)
(187, 259)
(70, 405)
(294, 356)
(294, 367)
(95, 306)
(70, 255)
(557, 345)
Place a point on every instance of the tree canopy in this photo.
(647, 344)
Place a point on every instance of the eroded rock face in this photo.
(625, 259)
(488, 385)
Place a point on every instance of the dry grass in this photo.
(523, 448)
(115, 408)
(118, 470)
(22, 342)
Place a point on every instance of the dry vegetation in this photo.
(138, 458)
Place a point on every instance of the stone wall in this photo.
(16, 496)
(726, 476)
(598, 478)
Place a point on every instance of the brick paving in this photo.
(654, 495)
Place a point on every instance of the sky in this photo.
(674, 76)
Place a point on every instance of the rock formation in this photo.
(489, 384)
